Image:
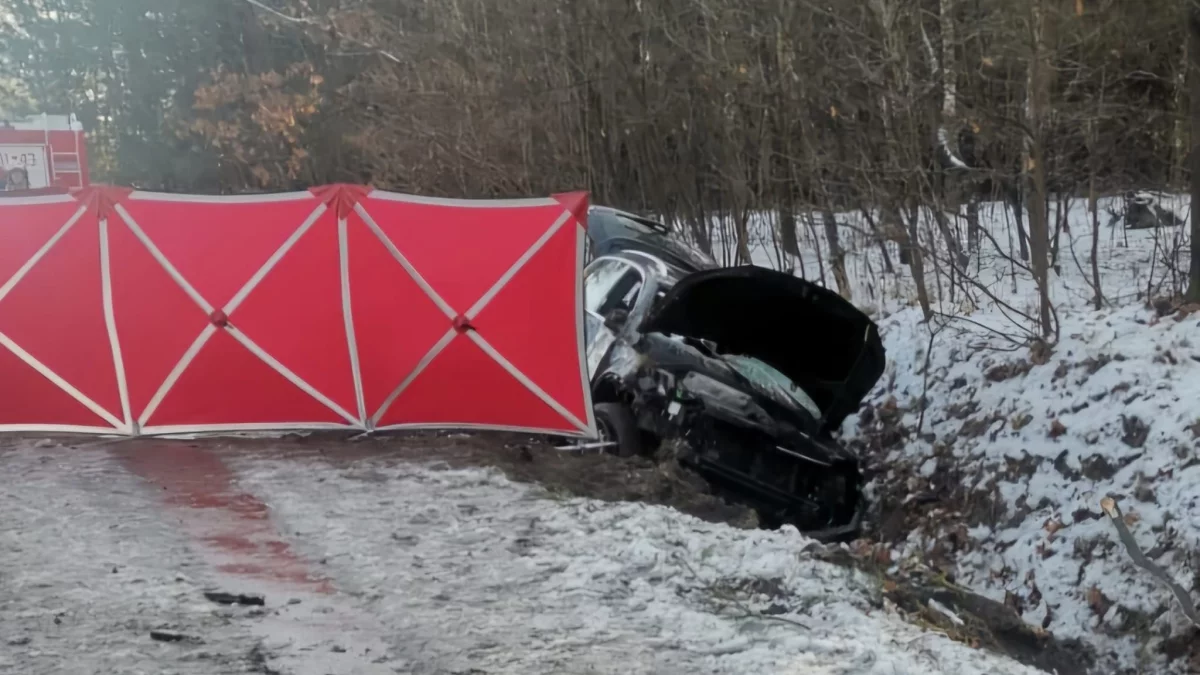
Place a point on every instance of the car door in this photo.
(610, 286)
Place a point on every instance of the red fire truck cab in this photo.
(51, 149)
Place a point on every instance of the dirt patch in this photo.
(926, 598)
(522, 458)
(1135, 431)
(1185, 647)
(1007, 371)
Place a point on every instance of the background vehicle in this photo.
(52, 149)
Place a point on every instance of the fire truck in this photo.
(51, 149)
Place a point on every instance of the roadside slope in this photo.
(999, 482)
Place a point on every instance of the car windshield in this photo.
(770, 379)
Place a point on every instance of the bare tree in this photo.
(1040, 72)
(1193, 82)
(740, 127)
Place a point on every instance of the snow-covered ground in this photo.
(91, 563)
(441, 571)
(431, 571)
(1002, 487)
(1032, 456)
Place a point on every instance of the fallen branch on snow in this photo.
(1139, 558)
(746, 612)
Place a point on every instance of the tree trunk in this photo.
(812, 230)
(1035, 168)
(973, 223)
(1179, 150)
(949, 67)
(1062, 209)
(893, 219)
(1193, 79)
(836, 254)
(953, 248)
(1094, 207)
(788, 236)
(1015, 201)
(953, 180)
(917, 264)
(742, 219)
(880, 239)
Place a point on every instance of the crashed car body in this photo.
(613, 231)
(747, 371)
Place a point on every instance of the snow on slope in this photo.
(474, 573)
(1034, 455)
(1004, 484)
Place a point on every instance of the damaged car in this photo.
(745, 372)
(612, 231)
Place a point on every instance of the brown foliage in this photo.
(256, 122)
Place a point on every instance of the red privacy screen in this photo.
(340, 307)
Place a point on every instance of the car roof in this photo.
(613, 230)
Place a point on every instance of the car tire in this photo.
(617, 423)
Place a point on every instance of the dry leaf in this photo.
(1097, 601)
(1057, 429)
(1044, 550)
(861, 548)
(1052, 525)
(1040, 353)
(1013, 602)
(883, 555)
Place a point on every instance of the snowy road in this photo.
(387, 567)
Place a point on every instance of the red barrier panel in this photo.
(342, 307)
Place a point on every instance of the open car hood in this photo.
(810, 334)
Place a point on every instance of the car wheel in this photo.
(617, 424)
